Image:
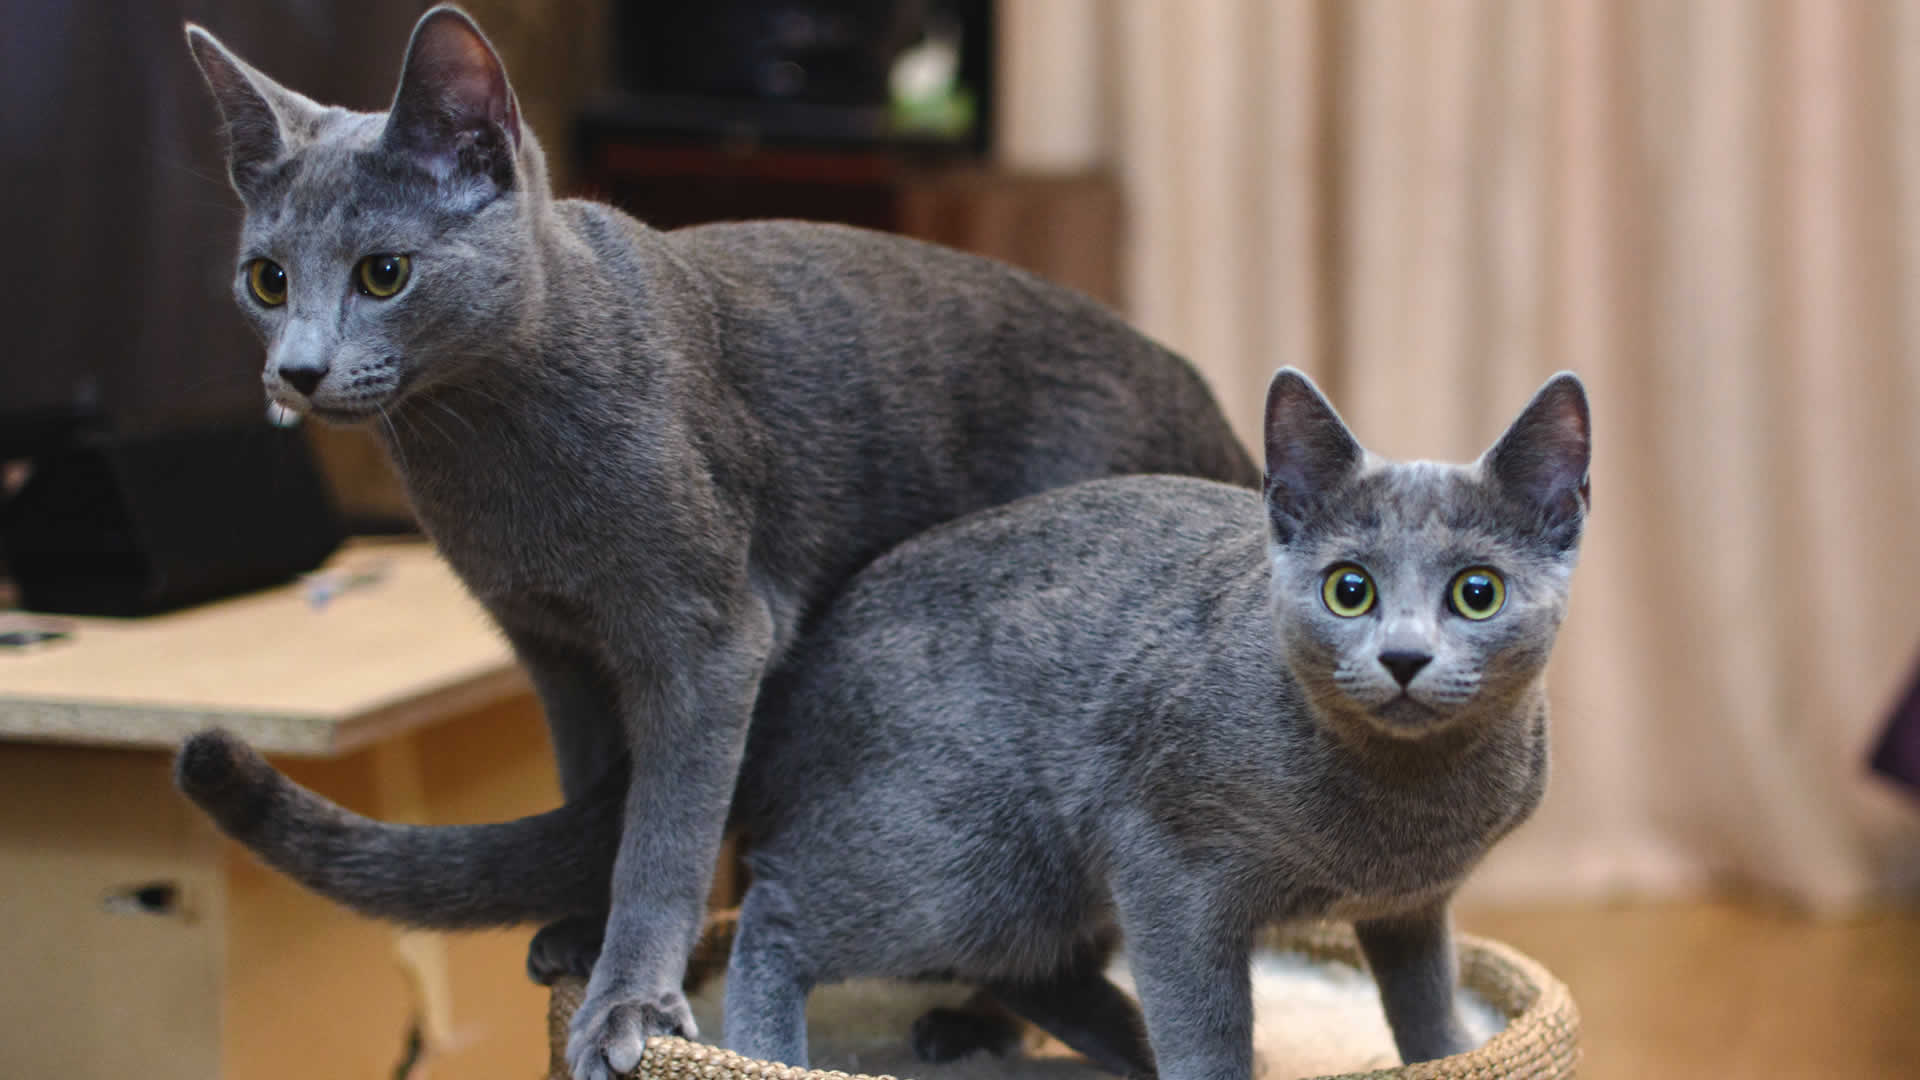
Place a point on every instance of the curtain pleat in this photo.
(1711, 211)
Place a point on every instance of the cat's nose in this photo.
(1404, 663)
(305, 379)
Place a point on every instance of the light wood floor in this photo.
(1725, 990)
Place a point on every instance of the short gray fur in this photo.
(1127, 704)
(1123, 707)
(654, 456)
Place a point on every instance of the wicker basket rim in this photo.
(1539, 1042)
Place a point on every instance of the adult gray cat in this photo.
(652, 456)
(1152, 705)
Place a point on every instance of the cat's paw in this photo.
(565, 948)
(609, 1034)
(943, 1035)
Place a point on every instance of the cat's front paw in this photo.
(1448, 1036)
(565, 948)
(610, 1032)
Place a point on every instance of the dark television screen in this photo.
(119, 222)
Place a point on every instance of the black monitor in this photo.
(119, 222)
(121, 348)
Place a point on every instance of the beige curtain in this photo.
(1711, 211)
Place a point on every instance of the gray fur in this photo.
(454, 876)
(1126, 704)
(655, 456)
(1125, 707)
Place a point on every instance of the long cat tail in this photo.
(447, 877)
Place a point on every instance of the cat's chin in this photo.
(1405, 718)
(343, 416)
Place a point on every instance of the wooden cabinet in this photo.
(139, 942)
(1064, 227)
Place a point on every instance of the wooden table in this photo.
(289, 675)
(140, 943)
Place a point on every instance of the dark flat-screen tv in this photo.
(118, 310)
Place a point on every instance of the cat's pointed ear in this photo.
(262, 117)
(1309, 451)
(1542, 460)
(455, 112)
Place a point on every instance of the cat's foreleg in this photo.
(583, 722)
(768, 980)
(1190, 961)
(1413, 961)
(688, 703)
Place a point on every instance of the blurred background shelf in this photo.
(1067, 227)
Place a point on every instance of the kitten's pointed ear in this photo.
(1542, 460)
(1309, 451)
(260, 114)
(454, 111)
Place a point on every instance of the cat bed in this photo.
(1316, 1014)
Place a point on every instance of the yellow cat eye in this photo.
(382, 276)
(1348, 591)
(268, 282)
(1477, 593)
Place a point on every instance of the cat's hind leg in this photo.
(1078, 1005)
(1086, 1011)
(767, 980)
(583, 723)
(565, 948)
(980, 1023)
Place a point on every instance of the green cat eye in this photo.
(1348, 591)
(268, 282)
(382, 276)
(1477, 593)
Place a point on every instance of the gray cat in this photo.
(654, 456)
(1151, 706)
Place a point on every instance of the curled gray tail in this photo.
(449, 877)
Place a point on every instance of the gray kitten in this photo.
(1155, 707)
(654, 456)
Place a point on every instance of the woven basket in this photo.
(1540, 1042)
